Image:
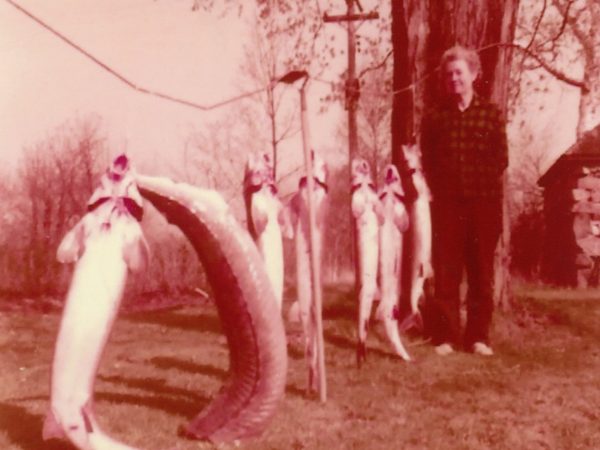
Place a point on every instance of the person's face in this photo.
(458, 77)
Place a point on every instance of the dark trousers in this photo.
(465, 234)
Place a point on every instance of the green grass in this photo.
(541, 390)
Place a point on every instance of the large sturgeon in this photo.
(368, 216)
(105, 243)
(265, 216)
(420, 216)
(246, 305)
(395, 223)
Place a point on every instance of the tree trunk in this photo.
(433, 27)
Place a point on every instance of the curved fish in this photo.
(246, 305)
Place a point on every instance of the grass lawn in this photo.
(540, 391)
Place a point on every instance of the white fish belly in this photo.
(421, 265)
(91, 306)
(270, 246)
(92, 302)
(390, 267)
(391, 249)
(368, 248)
(422, 226)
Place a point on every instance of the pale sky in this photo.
(160, 45)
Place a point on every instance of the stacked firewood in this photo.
(586, 227)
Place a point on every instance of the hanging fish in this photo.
(368, 216)
(105, 244)
(265, 217)
(300, 218)
(395, 223)
(420, 216)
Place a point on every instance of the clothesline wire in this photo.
(127, 81)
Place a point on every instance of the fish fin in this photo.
(137, 254)
(72, 245)
(293, 208)
(401, 218)
(285, 222)
(377, 295)
(413, 320)
(259, 219)
(321, 213)
(294, 312)
(358, 205)
(51, 428)
(427, 270)
(86, 419)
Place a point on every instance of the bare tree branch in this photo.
(376, 66)
(537, 25)
(564, 22)
(581, 84)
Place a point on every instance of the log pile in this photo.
(586, 227)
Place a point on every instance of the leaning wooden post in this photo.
(315, 260)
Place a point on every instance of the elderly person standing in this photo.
(464, 156)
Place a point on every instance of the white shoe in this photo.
(444, 349)
(482, 349)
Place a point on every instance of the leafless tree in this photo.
(557, 39)
(55, 178)
(215, 156)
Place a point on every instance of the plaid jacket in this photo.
(465, 153)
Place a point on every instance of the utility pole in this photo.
(352, 83)
(352, 94)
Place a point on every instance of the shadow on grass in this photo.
(24, 429)
(158, 395)
(345, 343)
(166, 362)
(295, 353)
(291, 389)
(173, 319)
(339, 309)
(170, 399)
(187, 407)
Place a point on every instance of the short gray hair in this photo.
(470, 56)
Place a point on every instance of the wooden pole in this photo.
(315, 259)
(352, 83)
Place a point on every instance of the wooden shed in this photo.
(571, 249)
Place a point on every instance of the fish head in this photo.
(119, 168)
(361, 172)
(267, 161)
(259, 170)
(319, 169)
(414, 161)
(253, 172)
(268, 169)
(392, 183)
(390, 175)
